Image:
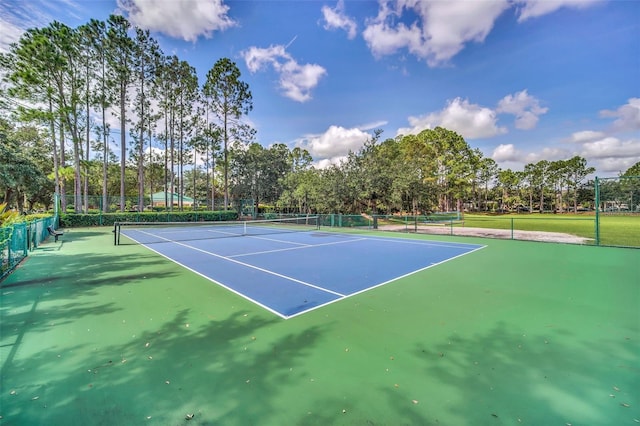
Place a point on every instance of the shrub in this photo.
(8, 217)
(70, 220)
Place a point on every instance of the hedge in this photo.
(72, 220)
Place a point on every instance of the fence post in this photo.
(25, 233)
(35, 235)
(597, 206)
(9, 244)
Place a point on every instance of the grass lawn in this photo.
(614, 230)
(620, 230)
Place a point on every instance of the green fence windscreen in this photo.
(18, 238)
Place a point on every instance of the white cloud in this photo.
(328, 162)
(383, 39)
(16, 17)
(616, 166)
(525, 107)
(334, 144)
(509, 156)
(607, 154)
(628, 116)
(547, 153)
(585, 136)
(185, 19)
(296, 80)
(535, 8)
(611, 147)
(471, 121)
(440, 32)
(509, 153)
(337, 19)
(435, 31)
(506, 152)
(611, 150)
(257, 58)
(10, 34)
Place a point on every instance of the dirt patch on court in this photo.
(555, 237)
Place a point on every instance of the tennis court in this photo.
(513, 333)
(289, 272)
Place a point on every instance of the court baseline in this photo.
(291, 274)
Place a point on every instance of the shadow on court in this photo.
(91, 337)
(551, 377)
(98, 334)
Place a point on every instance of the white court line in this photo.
(296, 248)
(261, 269)
(220, 283)
(416, 242)
(422, 242)
(158, 234)
(230, 259)
(383, 283)
(231, 289)
(255, 237)
(185, 230)
(341, 296)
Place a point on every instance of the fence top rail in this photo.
(532, 218)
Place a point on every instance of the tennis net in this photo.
(162, 232)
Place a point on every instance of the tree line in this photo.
(64, 81)
(189, 138)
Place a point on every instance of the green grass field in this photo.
(620, 230)
(614, 230)
(515, 333)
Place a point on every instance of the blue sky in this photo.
(521, 80)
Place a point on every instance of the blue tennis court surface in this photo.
(293, 273)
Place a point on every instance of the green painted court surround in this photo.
(516, 333)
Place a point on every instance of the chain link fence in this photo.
(617, 202)
(17, 239)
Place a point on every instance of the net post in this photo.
(115, 233)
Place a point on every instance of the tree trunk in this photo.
(541, 199)
(123, 144)
(52, 130)
(63, 189)
(151, 165)
(87, 134)
(172, 160)
(141, 144)
(105, 147)
(226, 167)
